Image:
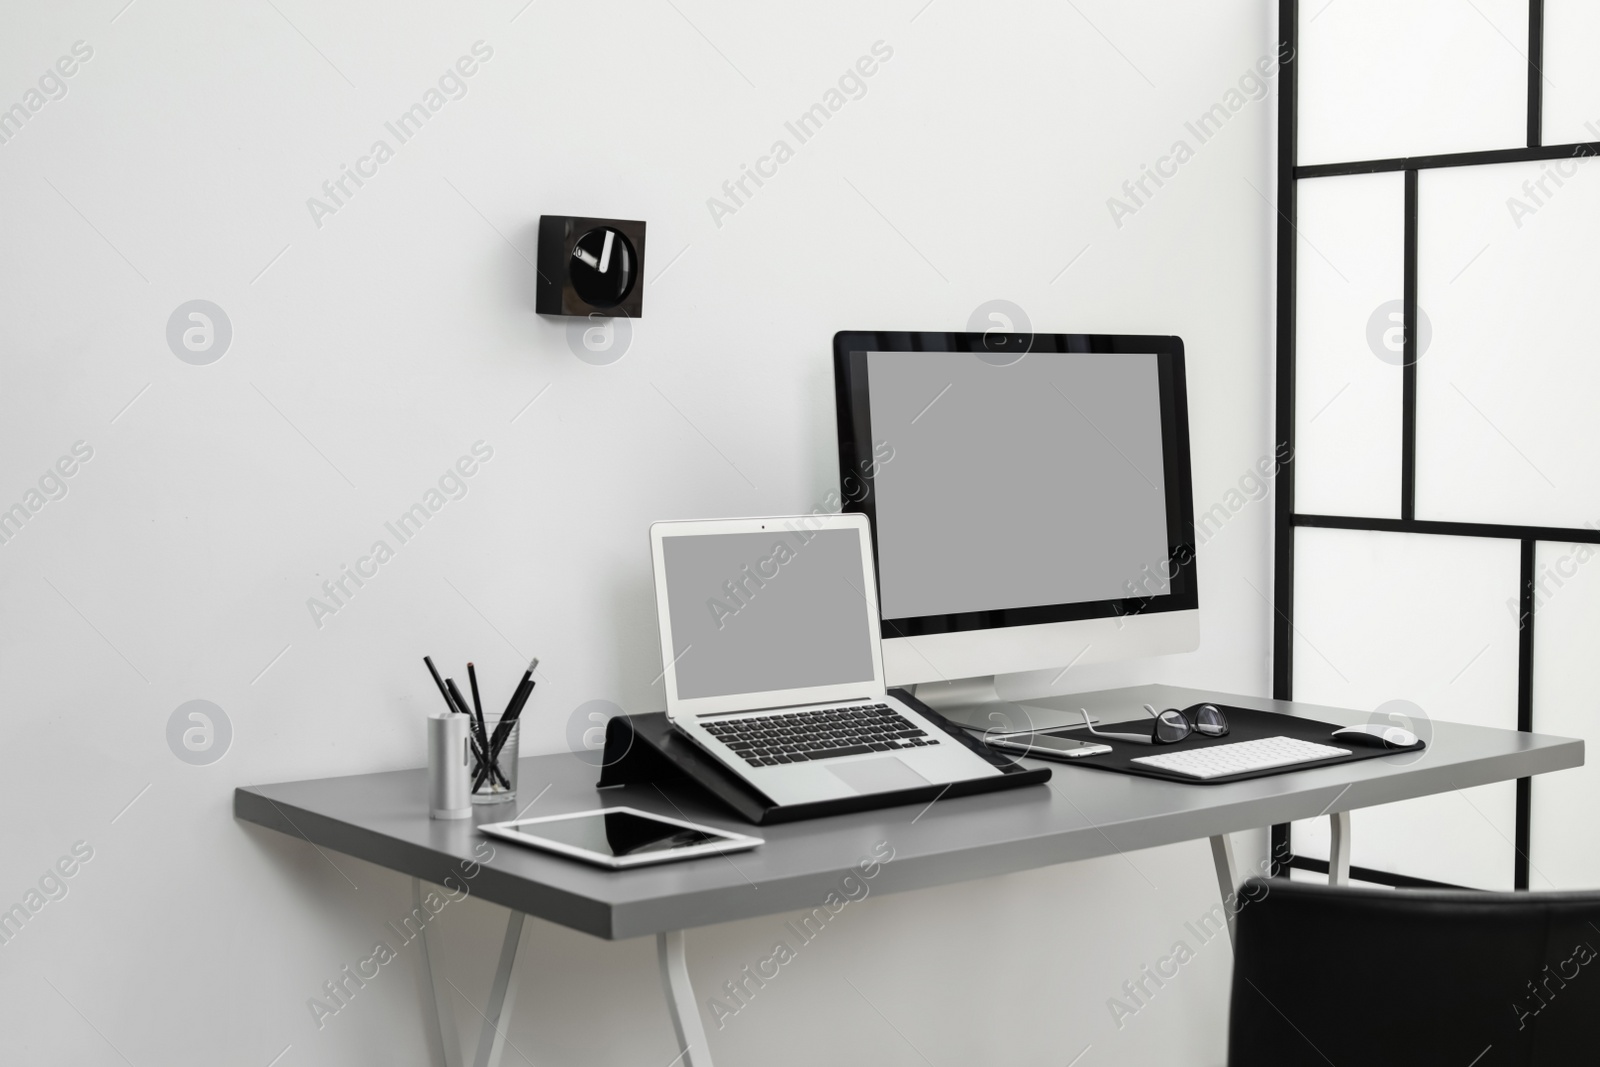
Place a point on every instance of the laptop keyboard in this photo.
(801, 736)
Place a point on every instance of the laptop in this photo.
(770, 639)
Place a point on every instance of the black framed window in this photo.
(1435, 394)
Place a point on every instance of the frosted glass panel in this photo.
(1566, 677)
(1380, 79)
(1382, 617)
(1505, 393)
(1347, 405)
(1571, 76)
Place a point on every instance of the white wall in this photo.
(380, 345)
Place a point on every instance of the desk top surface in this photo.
(1080, 814)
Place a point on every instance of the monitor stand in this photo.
(976, 704)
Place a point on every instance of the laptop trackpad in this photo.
(882, 775)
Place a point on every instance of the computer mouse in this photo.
(1376, 735)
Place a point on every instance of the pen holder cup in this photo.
(496, 783)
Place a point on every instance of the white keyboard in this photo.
(1241, 757)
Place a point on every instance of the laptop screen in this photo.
(758, 612)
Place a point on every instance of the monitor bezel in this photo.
(858, 467)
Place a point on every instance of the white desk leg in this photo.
(502, 997)
(680, 1000)
(1222, 856)
(1339, 849)
(441, 1021)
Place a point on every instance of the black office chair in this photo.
(1369, 977)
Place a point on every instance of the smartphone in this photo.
(1046, 746)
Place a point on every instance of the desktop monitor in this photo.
(1029, 496)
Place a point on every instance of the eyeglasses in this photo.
(1172, 725)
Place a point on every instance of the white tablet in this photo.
(620, 837)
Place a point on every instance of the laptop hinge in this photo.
(781, 707)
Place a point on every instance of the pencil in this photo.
(482, 726)
(527, 678)
(455, 704)
(508, 718)
(472, 676)
(480, 747)
(477, 704)
(438, 681)
(456, 699)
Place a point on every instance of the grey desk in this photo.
(1082, 813)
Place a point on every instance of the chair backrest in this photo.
(1368, 977)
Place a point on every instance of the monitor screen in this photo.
(1019, 480)
(1034, 483)
(765, 611)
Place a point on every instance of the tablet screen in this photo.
(617, 833)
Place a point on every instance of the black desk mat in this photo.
(1247, 724)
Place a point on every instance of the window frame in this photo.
(1286, 518)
